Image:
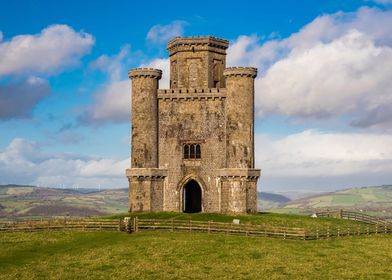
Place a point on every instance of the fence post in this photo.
(341, 213)
(317, 234)
(328, 232)
(190, 225)
(209, 227)
(172, 224)
(338, 231)
(376, 228)
(367, 229)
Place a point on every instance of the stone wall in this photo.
(186, 118)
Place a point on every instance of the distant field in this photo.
(30, 201)
(372, 200)
(164, 255)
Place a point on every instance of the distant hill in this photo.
(29, 201)
(377, 199)
(270, 200)
(18, 201)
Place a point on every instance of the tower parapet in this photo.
(197, 62)
(145, 73)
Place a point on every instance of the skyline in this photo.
(323, 90)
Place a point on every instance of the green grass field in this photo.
(165, 255)
(273, 219)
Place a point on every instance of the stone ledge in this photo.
(248, 173)
(240, 71)
(191, 97)
(145, 72)
(152, 173)
(192, 90)
(196, 44)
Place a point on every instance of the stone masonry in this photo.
(193, 144)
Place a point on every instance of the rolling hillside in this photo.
(28, 201)
(376, 199)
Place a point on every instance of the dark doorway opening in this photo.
(192, 197)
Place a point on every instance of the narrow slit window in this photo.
(198, 151)
(186, 151)
(193, 151)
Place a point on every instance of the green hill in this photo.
(18, 201)
(29, 201)
(376, 199)
(270, 200)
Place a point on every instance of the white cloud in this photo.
(54, 48)
(114, 66)
(23, 162)
(318, 160)
(163, 33)
(111, 104)
(338, 64)
(164, 65)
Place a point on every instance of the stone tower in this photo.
(193, 144)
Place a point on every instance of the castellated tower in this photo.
(193, 144)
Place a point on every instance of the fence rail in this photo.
(60, 224)
(370, 225)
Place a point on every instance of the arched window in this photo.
(186, 151)
(192, 151)
(198, 151)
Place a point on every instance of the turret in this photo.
(144, 117)
(240, 116)
(197, 62)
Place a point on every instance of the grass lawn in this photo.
(165, 255)
(274, 219)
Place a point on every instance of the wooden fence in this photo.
(214, 227)
(369, 225)
(354, 216)
(60, 224)
(135, 224)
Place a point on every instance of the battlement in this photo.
(192, 94)
(191, 90)
(240, 71)
(197, 44)
(145, 72)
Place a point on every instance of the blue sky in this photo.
(323, 91)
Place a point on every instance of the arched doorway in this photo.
(191, 197)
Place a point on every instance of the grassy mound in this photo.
(165, 255)
(273, 219)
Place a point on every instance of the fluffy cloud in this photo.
(164, 65)
(54, 48)
(17, 100)
(321, 160)
(112, 103)
(337, 64)
(162, 33)
(23, 162)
